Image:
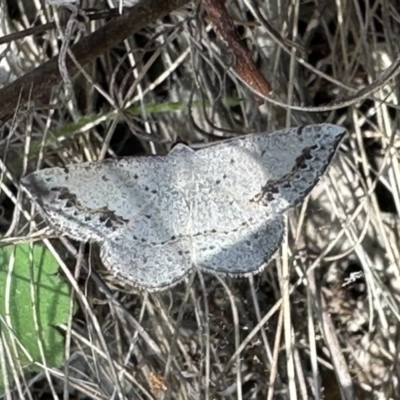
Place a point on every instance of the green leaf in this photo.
(32, 268)
(70, 129)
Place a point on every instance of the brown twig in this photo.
(39, 82)
(91, 15)
(36, 30)
(243, 63)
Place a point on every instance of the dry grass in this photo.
(302, 328)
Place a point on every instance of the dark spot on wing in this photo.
(109, 223)
(300, 130)
(69, 204)
(65, 194)
(104, 219)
